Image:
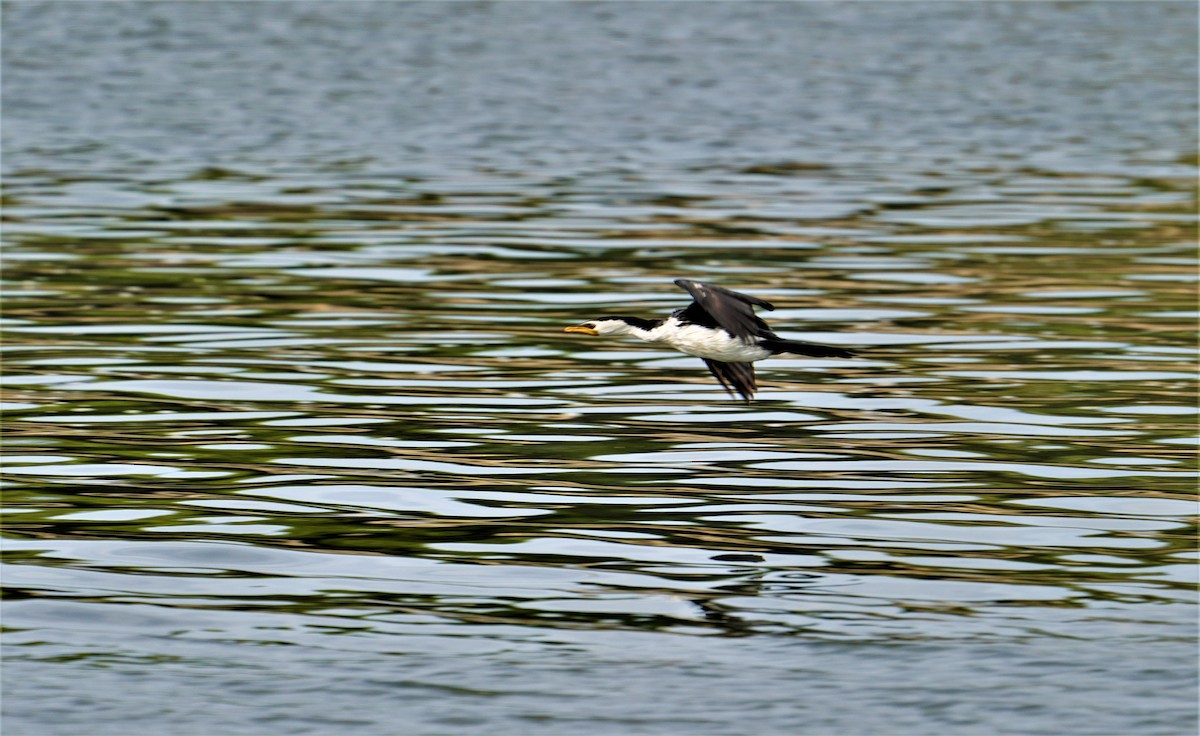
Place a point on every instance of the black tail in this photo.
(805, 348)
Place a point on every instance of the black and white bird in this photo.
(719, 326)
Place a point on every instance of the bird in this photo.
(719, 326)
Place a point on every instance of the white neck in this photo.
(638, 332)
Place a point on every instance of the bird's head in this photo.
(605, 326)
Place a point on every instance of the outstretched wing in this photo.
(735, 377)
(726, 309)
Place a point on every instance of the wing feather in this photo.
(734, 377)
(727, 309)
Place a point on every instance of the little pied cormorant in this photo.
(719, 326)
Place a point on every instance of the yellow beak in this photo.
(582, 330)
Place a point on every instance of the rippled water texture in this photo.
(296, 443)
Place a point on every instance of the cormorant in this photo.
(719, 326)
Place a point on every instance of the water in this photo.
(296, 443)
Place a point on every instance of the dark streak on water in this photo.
(296, 444)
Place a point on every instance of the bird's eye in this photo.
(590, 325)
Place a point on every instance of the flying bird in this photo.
(719, 326)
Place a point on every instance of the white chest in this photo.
(704, 342)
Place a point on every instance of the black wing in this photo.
(718, 307)
(735, 377)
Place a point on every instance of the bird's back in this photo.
(694, 314)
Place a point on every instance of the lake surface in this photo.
(296, 443)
